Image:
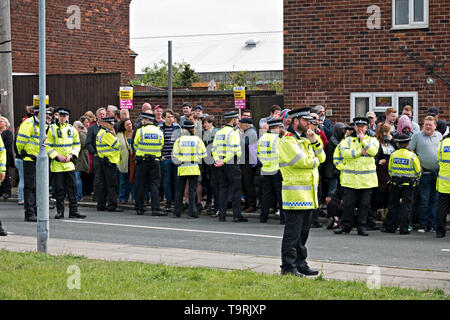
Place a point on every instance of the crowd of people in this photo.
(367, 171)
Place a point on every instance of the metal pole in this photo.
(6, 82)
(170, 76)
(42, 194)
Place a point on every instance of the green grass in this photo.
(44, 277)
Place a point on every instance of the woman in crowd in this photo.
(82, 165)
(86, 122)
(126, 168)
(8, 140)
(91, 117)
(330, 171)
(380, 197)
(404, 126)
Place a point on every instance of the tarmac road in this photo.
(416, 251)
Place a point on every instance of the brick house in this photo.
(97, 42)
(347, 55)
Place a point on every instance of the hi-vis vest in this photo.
(299, 161)
(404, 163)
(149, 140)
(28, 138)
(443, 156)
(2, 157)
(268, 147)
(62, 140)
(108, 146)
(226, 145)
(188, 152)
(359, 172)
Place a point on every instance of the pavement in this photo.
(414, 278)
(391, 277)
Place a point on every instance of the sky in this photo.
(160, 18)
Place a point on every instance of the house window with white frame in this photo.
(410, 14)
(378, 102)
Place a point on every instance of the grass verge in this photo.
(26, 276)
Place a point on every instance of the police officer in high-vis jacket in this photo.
(405, 171)
(188, 152)
(107, 145)
(2, 176)
(359, 176)
(268, 150)
(27, 144)
(63, 147)
(226, 152)
(300, 154)
(443, 185)
(148, 144)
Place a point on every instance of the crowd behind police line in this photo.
(387, 170)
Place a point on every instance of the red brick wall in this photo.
(329, 53)
(103, 40)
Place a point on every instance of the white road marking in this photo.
(175, 229)
(446, 250)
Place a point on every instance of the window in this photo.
(378, 102)
(409, 14)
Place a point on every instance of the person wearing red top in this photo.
(314, 126)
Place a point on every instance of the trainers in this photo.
(421, 230)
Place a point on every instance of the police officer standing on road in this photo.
(63, 146)
(107, 145)
(268, 150)
(27, 144)
(2, 176)
(301, 153)
(443, 185)
(226, 152)
(148, 144)
(188, 152)
(405, 171)
(359, 176)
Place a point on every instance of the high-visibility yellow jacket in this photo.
(404, 163)
(108, 146)
(268, 147)
(62, 140)
(443, 156)
(299, 161)
(149, 140)
(226, 145)
(338, 159)
(359, 172)
(28, 138)
(2, 156)
(188, 152)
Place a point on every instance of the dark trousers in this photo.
(5, 186)
(442, 209)
(182, 180)
(356, 198)
(65, 182)
(147, 171)
(29, 188)
(296, 232)
(271, 190)
(396, 192)
(230, 176)
(107, 186)
(213, 176)
(248, 185)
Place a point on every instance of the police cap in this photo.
(361, 121)
(301, 113)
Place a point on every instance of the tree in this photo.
(158, 75)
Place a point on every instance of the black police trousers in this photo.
(147, 172)
(248, 185)
(182, 180)
(442, 209)
(396, 217)
(296, 232)
(271, 188)
(230, 176)
(106, 184)
(65, 182)
(356, 198)
(29, 188)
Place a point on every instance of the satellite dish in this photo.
(251, 42)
